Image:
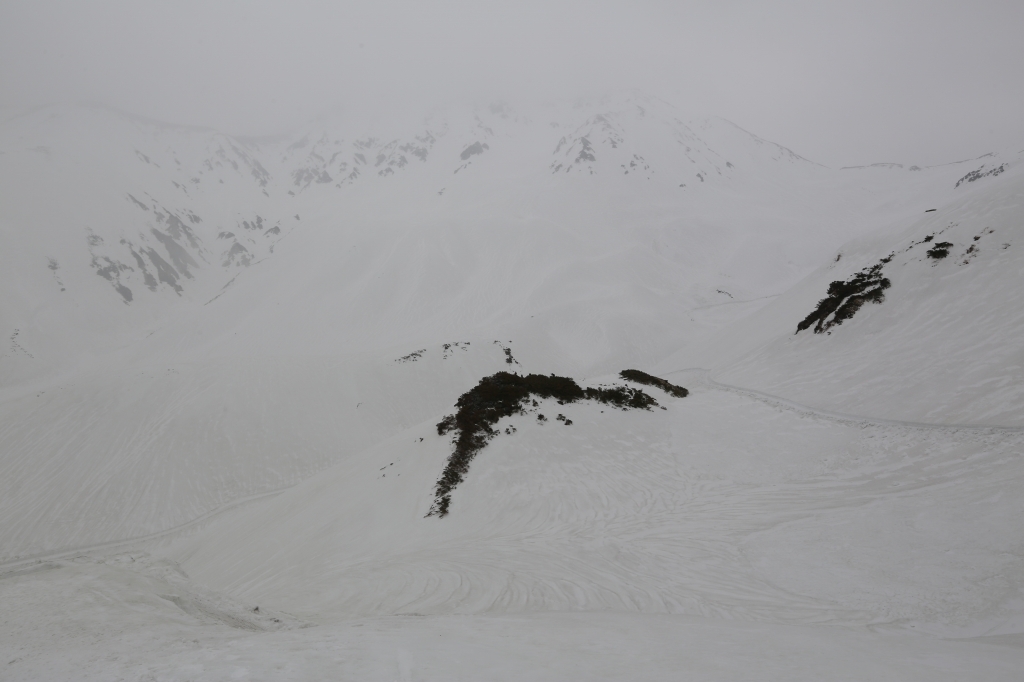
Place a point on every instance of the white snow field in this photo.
(224, 359)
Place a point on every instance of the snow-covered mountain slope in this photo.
(231, 354)
(131, 220)
(114, 225)
(657, 512)
(588, 271)
(724, 520)
(132, 453)
(150, 627)
(942, 347)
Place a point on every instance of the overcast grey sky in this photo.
(842, 83)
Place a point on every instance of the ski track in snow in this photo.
(703, 375)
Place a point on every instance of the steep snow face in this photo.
(940, 346)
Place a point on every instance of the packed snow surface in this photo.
(224, 361)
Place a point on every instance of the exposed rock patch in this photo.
(503, 395)
(846, 298)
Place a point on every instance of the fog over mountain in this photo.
(507, 342)
(912, 82)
